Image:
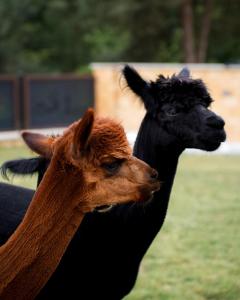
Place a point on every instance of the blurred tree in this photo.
(196, 52)
(188, 35)
(224, 45)
(65, 35)
(155, 31)
(20, 21)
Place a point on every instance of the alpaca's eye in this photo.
(112, 167)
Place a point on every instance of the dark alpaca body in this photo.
(13, 205)
(122, 236)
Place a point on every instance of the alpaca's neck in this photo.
(34, 250)
(162, 156)
(158, 149)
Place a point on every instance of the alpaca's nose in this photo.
(215, 122)
(154, 174)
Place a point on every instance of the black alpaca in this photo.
(177, 117)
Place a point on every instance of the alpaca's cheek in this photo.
(95, 176)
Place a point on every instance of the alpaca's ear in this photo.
(82, 132)
(138, 85)
(39, 143)
(184, 73)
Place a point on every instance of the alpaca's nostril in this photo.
(154, 174)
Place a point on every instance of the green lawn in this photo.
(196, 256)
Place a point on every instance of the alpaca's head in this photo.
(178, 106)
(97, 153)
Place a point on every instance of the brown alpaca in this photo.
(91, 165)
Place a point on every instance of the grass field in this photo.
(196, 256)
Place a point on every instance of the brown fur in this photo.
(75, 183)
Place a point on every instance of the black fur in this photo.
(21, 166)
(103, 258)
(14, 201)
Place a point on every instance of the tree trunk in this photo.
(205, 30)
(188, 34)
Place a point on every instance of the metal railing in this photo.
(41, 101)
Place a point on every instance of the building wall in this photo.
(113, 99)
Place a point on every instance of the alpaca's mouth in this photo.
(104, 208)
(147, 192)
(213, 142)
